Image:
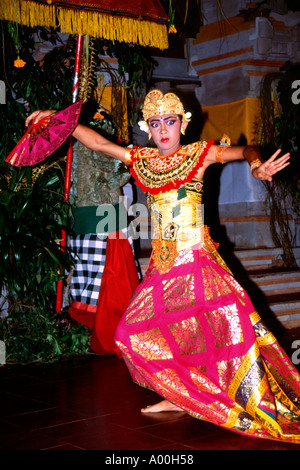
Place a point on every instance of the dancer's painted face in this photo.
(165, 131)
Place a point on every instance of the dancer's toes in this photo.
(164, 405)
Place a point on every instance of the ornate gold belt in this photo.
(164, 254)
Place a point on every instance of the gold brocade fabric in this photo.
(202, 346)
(191, 333)
(177, 223)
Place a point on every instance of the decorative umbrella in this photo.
(133, 21)
(141, 22)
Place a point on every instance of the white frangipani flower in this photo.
(187, 116)
(143, 126)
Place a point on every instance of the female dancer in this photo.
(190, 332)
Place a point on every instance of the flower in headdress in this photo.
(143, 126)
(49, 2)
(187, 117)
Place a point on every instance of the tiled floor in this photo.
(91, 403)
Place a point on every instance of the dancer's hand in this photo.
(38, 115)
(272, 166)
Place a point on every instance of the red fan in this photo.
(44, 137)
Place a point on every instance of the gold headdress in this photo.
(157, 103)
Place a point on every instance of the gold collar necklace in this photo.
(170, 154)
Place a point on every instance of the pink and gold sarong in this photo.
(191, 334)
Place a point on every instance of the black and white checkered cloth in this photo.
(89, 259)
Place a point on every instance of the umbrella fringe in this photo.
(98, 25)
(28, 13)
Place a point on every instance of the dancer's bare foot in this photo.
(164, 405)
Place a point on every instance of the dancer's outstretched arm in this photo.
(88, 137)
(259, 169)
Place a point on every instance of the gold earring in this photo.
(183, 131)
(149, 135)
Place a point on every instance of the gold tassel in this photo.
(115, 28)
(28, 13)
